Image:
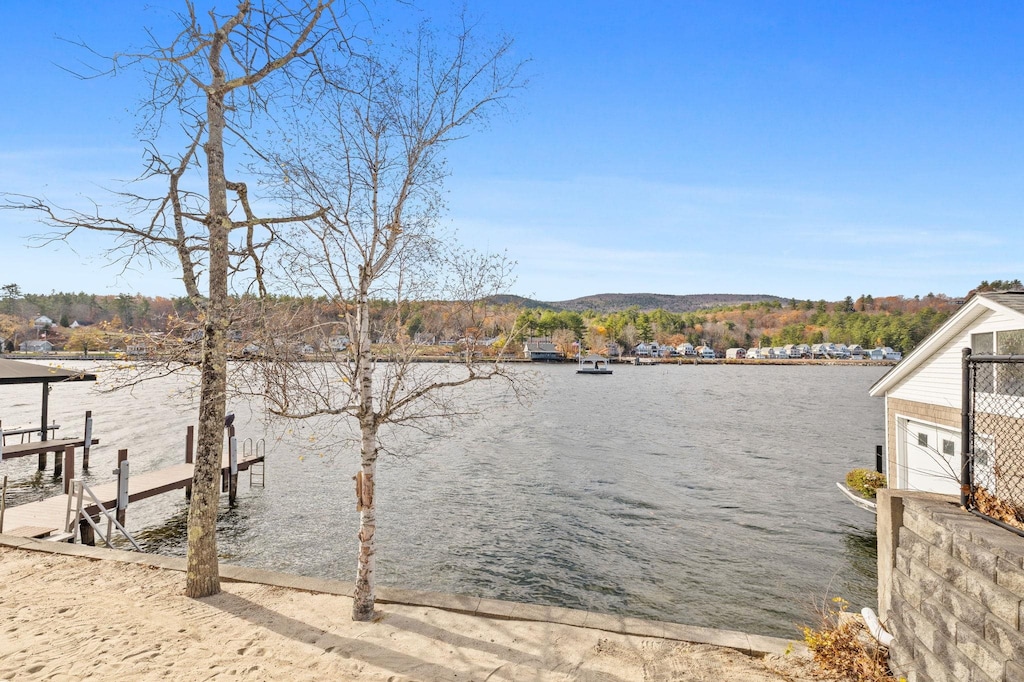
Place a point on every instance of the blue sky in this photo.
(802, 149)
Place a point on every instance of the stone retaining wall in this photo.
(950, 590)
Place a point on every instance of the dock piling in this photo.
(232, 465)
(122, 484)
(69, 466)
(189, 455)
(88, 440)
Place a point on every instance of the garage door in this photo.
(930, 458)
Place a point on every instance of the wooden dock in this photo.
(50, 515)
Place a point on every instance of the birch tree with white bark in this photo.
(374, 163)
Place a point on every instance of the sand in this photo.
(72, 618)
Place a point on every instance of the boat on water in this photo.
(594, 364)
(860, 501)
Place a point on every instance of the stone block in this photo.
(903, 562)
(999, 541)
(926, 632)
(1009, 641)
(952, 571)
(969, 612)
(922, 525)
(913, 544)
(1010, 576)
(957, 521)
(929, 665)
(928, 580)
(1014, 672)
(985, 656)
(1003, 604)
(901, 659)
(940, 618)
(897, 623)
(954, 662)
(974, 556)
(906, 589)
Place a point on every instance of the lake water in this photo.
(695, 494)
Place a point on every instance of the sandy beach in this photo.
(68, 615)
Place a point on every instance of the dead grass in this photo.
(844, 650)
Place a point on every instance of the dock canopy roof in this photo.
(16, 372)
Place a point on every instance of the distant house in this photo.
(36, 346)
(706, 352)
(74, 325)
(923, 396)
(338, 344)
(42, 322)
(136, 350)
(540, 350)
(644, 350)
(612, 350)
(686, 349)
(736, 353)
(654, 350)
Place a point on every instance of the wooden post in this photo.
(189, 455)
(43, 435)
(122, 484)
(58, 466)
(88, 440)
(86, 533)
(232, 465)
(69, 466)
(3, 503)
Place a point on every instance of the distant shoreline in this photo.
(625, 360)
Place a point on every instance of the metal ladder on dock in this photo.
(257, 470)
(76, 505)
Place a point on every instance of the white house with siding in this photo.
(923, 392)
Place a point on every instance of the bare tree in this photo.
(378, 170)
(214, 79)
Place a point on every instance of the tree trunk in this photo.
(364, 597)
(203, 577)
(363, 604)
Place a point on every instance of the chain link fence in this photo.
(994, 447)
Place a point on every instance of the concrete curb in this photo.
(750, 644)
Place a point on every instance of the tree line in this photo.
(869, 321)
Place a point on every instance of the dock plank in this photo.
(56, 445)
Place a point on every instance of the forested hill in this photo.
(610, 303)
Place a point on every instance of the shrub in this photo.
(843, 650)
(865, 482)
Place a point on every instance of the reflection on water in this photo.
(695, 494)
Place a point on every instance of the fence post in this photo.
(88, 440)
(69, 466)
(965, 429)
(122, 484)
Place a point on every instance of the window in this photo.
(922, 440)
(984, 373)
(948, 448)
(1010, 377)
